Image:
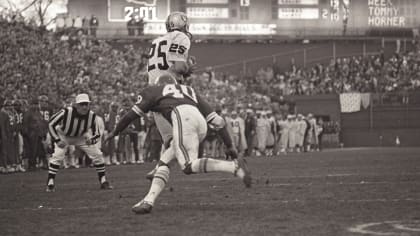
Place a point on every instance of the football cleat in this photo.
(106, 186)
(242, 165)
(50, 188)
(142, 207)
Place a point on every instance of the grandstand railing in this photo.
(303, 58)
(287, 32)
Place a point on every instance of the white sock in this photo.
(204, 165)
(160, 179)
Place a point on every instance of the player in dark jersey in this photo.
(189, 115)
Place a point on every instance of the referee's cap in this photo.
(81, 98)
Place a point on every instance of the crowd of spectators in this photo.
(35, 62)
(372, 73)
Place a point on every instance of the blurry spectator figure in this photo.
(210, 144)
(133, 136)
(237, 124)
(46, 112)
(262, 129)
(139, 25)
(78, 23)
(60, 24)
(93, 24)
(110, 122)
(9, 136)
(312, 137)
(285, 125)
(69, 22)
(220, 152)
(85, 25)
(83, 39)
(124, 149)
(250, 125)
(71, 159)
(300, 136)
(140, 128)
(131, 26)
(153, 142)
(271, 134)
(293, 130)
(281, 134)
(19, 106)
(214, 142)
(4, 161)
(320, 132)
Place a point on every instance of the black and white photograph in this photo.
(210, 117)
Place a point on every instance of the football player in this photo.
(168, 57)
(189, 115)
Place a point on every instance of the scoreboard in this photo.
(255, 17)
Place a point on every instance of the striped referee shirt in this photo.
(72, 124)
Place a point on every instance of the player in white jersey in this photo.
(169, 55)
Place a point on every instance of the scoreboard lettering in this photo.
(149, 10)
(298, 13)
(247, 17)
(298, 2)
(207, 1)
(147, 13)
(383, 13)
(207, 12)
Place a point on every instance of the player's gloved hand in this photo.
(192, 66)
(61, 144)
(232, 153)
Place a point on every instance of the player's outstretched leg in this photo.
(159, 181)
(237, 167)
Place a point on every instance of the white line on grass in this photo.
(374, 228)
(46, 208)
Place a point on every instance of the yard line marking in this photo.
(361, 229)
(339, 175)
(262, 182)
(396, 225)
(403, 227)
(41, 208)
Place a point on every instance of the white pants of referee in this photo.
(92, 151)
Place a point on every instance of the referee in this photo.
(75, 125)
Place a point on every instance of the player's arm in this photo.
(141, 107)
(217, 123)
(129, 117)
(213, 119)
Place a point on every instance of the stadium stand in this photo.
(37, 62)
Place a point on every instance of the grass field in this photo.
(330, 193)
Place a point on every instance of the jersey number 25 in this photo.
(162, 66)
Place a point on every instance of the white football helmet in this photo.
(178, 21)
